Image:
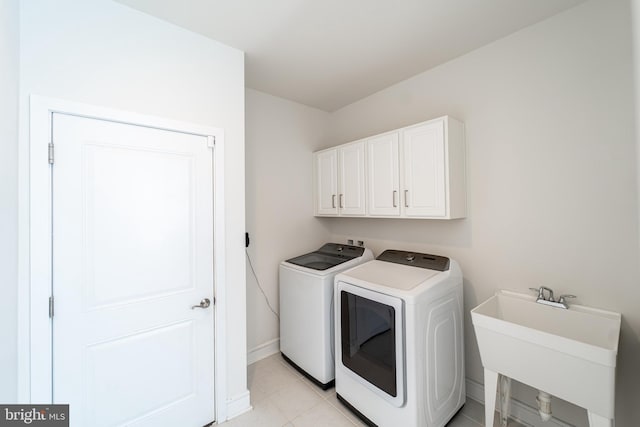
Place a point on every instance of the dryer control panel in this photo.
(415, 259)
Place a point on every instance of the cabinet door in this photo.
(423, 165)
(383, 175)
(326, 182)
(351, 176)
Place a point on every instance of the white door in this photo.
(132, 253)
(382, 166)
(326, 182)
(351, 176)
(424, 170)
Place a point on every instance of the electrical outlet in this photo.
(350, 242)
(361, 243)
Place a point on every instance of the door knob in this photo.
(203, 304)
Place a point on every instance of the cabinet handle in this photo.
(341, 201)
(395, 195)
(333, 201)
(406, 198)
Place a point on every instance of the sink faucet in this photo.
(541, 292)
(545, 296)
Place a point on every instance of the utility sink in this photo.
(569, 353)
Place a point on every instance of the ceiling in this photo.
(331, 53)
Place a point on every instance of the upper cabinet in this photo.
(339, 175)
(383, 175)
(326, 182)
(413, 172)
(432, 164)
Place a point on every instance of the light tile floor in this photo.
(282, 397)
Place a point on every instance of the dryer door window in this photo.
(371, 339)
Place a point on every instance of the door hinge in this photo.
(51, 153)
(211, 141)
(51, 307)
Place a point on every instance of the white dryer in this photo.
(399, 339)
(306, 308)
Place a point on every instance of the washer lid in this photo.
(391, 275)
(329, 255)
(317, 261)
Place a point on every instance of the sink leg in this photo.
(505, 399)
(597, 420)
(490, 389)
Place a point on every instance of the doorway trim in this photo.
(35, 254)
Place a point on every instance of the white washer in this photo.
(306, 308)
(399, 339)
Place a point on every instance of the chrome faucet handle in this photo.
(562, 298)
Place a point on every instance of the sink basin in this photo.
(570, 353)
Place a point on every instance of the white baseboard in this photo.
(238, 405)
(263, 350)
(520, 412)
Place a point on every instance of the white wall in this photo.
(102, 53)
(9, 78)
(551, 172)
(635, 23)
(280, 137)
